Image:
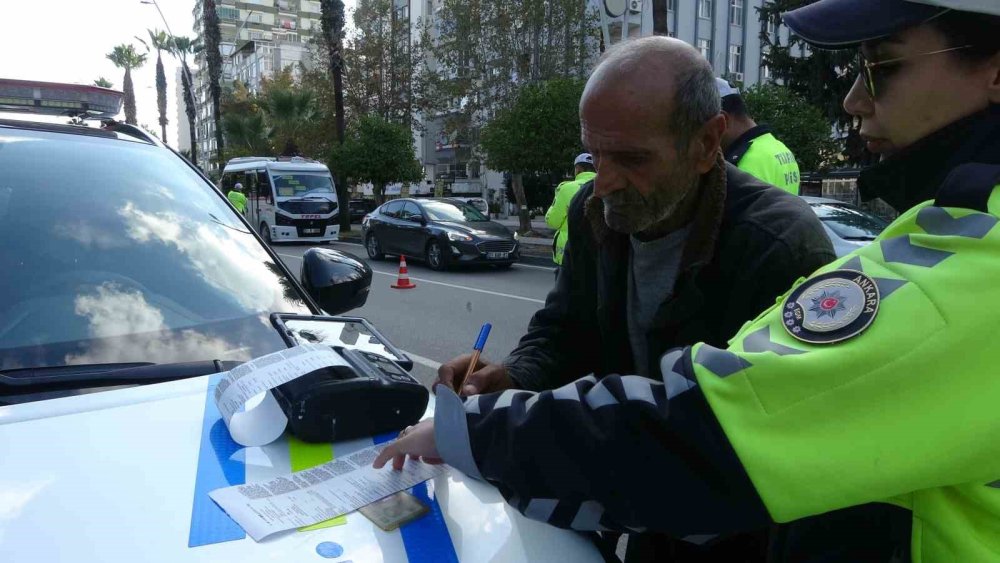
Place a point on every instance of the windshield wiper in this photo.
(35, 380)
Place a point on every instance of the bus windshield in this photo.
(299, 184)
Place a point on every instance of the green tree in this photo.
(380, 62)
(798, 124)
(246, 135)
(320, 134)
(332, 21)
(244, 124)
(126, 57)
(213, 58)
(103, 82)
(485, 50)
(539, 133)
(160, 41)
(289, 111)
(181, 47)
(376, 151)
(823, 77)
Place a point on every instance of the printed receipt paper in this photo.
(305, 497)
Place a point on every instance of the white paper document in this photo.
(313, 495)
(265, 422)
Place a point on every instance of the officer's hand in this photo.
(416, 442)
(487, 378)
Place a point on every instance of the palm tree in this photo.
(161, 42)
(332, 19)
(246, 133)
(288, 112)
(181, 47)
(125, 56)
(213, 57)
(103, 82)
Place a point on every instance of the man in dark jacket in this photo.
(668, 246)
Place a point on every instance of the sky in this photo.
(67, 40)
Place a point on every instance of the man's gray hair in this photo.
(695, 102)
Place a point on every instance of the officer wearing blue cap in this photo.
(860, 414)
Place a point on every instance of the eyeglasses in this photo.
(868, 72)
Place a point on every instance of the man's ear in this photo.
(705, 145)
(993, 89)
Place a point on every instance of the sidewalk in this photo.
(537, 225)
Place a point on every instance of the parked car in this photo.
(847, 226)
(359, 208)
(441, 231)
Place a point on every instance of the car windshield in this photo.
(453, 211)
(288, 185)
(849, 223)
(117, 251)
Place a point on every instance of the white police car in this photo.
(126, 279)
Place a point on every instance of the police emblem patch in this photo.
(831, 307)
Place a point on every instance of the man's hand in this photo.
(487, 378)
(416, 442)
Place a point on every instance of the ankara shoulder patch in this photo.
(831, 307)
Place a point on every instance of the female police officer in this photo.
(861, 412)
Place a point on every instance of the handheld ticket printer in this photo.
(371, 394)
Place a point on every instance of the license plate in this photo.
(310, 231)
(497, 255)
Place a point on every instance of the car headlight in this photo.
(458, 236)
(517, 236)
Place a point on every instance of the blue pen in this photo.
(484, 333)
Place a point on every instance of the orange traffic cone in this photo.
(403, 282)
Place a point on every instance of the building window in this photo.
(736, 12)
(705, 9)
(705, 47)
(671, 5)
(226, 13)
(765, 73)
(772, 26)
(735, 58)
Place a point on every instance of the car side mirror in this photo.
(337, 281)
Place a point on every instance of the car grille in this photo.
(496, 246)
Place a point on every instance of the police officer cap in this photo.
(846, 23)
(583, 158)
(725, 88)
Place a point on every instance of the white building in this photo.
(183, 128)
(285, 26)
(727, 32)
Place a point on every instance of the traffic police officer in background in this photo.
(860, 413)
(237, 198)
(555, 217)
(753, 148)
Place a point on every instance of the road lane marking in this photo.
(452, 285)
(520, 265)
(475, 289)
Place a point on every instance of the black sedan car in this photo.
(359, 208)
(443, 232)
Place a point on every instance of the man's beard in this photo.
(627, 211)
